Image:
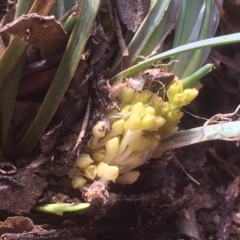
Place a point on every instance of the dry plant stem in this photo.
(76, 149)
(42, 7)
(224, 117)
(62, 79)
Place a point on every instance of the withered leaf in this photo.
(43, 32)
(19, 193)
(132, 12)
(156, 78)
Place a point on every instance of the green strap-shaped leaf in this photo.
(62, 79)
(134, 70)
(165, 26)
(17, 48)
(8, 93)
(62, 6)
(143, 34)
(60, 208)
(195, 61)
(200, 73)
(199, 22)
(190, 18)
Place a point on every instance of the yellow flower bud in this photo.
(163, 110)
(125, 112)
(99, 157)
(73, 172)
(148, 122)
(111, 173)
(173, 116)
(175, 87)
(128, 95)
(190, 94)
(142, 96)
(118, 127)
(138, 108)
(101, 168)
(157, 103)
(83, 161)
(78, 182)
(133, 123)
(159, 122)
(90, 172)
(112, 147)
(150, 110)
(99, 130)
(178, 100)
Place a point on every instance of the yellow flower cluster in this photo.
(136, 130)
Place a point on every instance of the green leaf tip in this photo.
(60, 208)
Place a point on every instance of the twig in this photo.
(222, 117)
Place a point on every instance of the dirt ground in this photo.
(165, 203)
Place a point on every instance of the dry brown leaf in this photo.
(43, 32)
